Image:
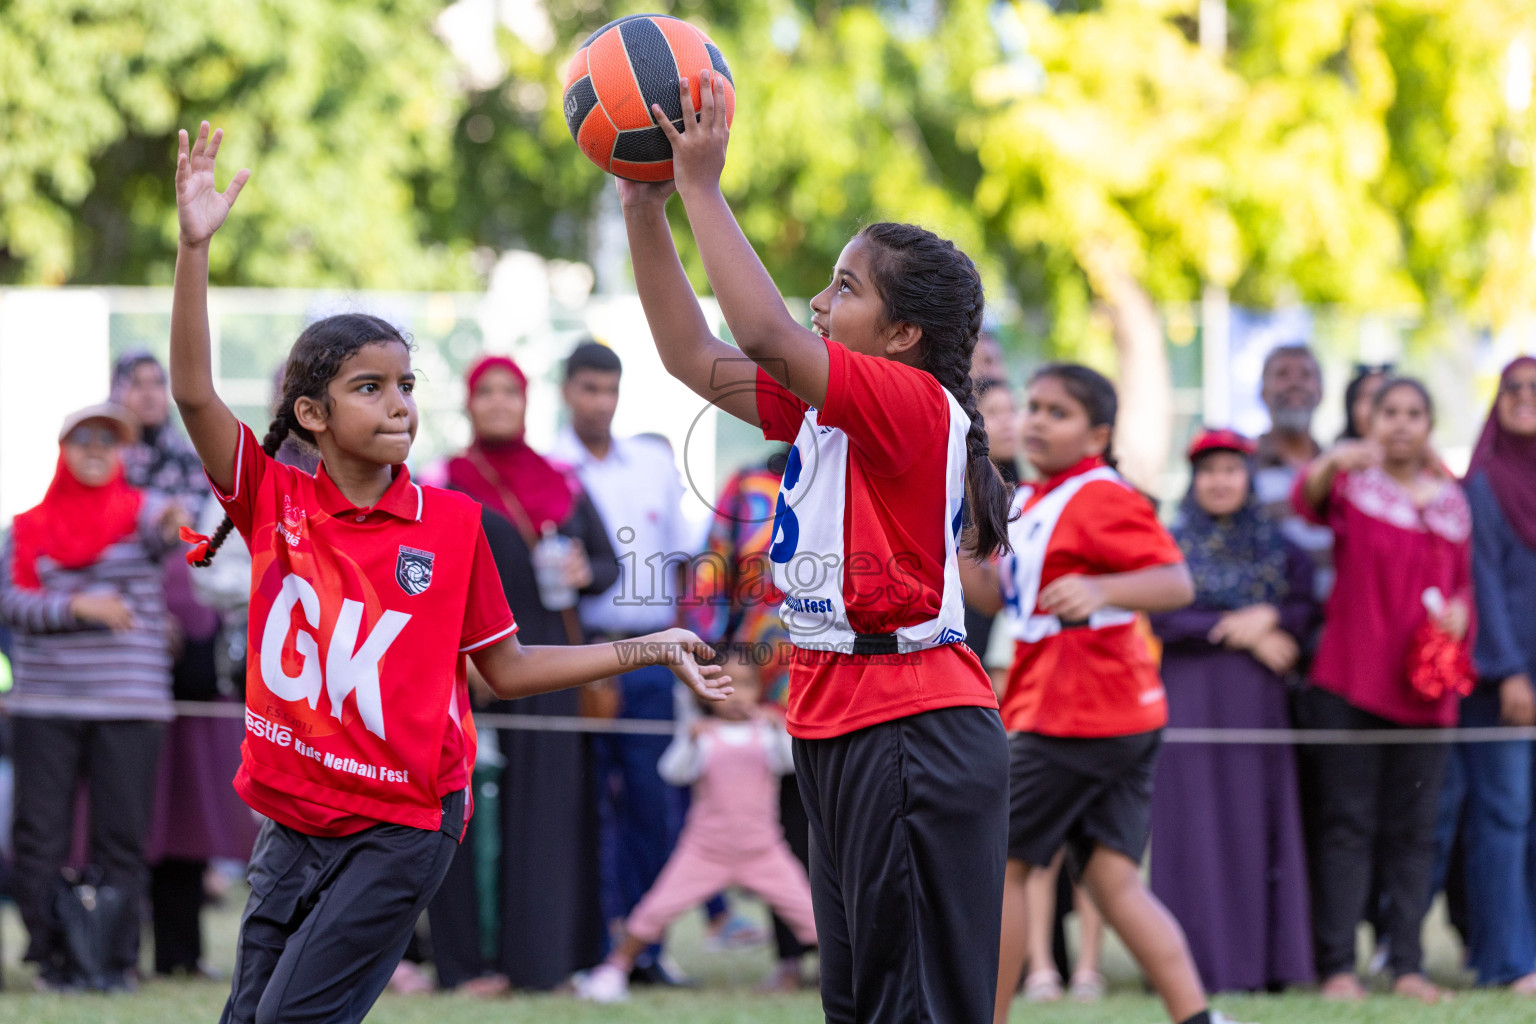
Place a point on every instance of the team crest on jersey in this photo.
(413, 570)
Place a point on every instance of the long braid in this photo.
(277, 433)
(929, 282)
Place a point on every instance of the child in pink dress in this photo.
(732, 837)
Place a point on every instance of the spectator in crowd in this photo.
(197, 814)
(994, 400)
(1364, 381)
(1227, 851)
(987, 362)
(1403, 536)
(1292, 389)
(80, 583)
(550, 922)
(1489, 785)
(634, 484)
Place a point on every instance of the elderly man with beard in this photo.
(1292, 389)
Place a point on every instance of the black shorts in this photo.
(1079, 793)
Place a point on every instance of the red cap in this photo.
(1223, 440)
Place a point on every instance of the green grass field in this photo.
(725, 995)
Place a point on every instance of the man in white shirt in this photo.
(634, 483)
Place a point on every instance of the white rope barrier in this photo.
(653, 727)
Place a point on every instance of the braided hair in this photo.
(1090, 389)
(927, 281)
(314, 362)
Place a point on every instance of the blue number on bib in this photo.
(1008, 578)
(786, 528)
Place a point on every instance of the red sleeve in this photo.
(887, 409)
(779, 411)
(1120, 530)
(487, 618)
(1332, 511)
(251, 467)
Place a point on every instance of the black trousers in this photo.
(1375, 810)
(329, 918)
(117, 761)
(908, 837)
(454, 916)
(797, 832)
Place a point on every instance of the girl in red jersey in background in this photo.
(899, 751)
(1084, 705)
(369, 589)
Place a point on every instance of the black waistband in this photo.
(875, 643)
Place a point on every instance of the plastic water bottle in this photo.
(549, 557)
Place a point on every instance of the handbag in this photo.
(598, 699)
(92, 919)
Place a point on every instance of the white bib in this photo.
(809, 562)
(1030, 536)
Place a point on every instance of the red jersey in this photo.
(357, 704)
(1091, 679)
(865, 542)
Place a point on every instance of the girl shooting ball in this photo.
(899, 750)
(367, 590)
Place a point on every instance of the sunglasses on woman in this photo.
(86, 435)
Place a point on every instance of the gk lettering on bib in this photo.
(355, 692)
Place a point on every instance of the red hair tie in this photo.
(199, 544)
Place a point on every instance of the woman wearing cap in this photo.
(1227, 850)
(80, 585)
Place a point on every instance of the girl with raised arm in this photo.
(367, 591)
(898, 747)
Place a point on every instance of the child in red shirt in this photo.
(1084, 705)
(367, 590)
(899, 751)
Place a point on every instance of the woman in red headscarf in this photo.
(1489, 786)
(550, 922)
(80, 585)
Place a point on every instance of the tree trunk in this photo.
(1145, 428)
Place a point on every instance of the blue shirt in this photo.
(1504, 575)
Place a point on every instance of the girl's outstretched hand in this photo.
(201, 208)
(698, 151)
(681, 650)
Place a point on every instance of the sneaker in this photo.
(735, 935)
(663, 971)
(1087, 987)
(604, 983)
(1043, 986)
(785, 977)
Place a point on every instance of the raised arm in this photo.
(712, 369)
(200, 209)
(759, 321)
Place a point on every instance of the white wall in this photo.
(53, 360)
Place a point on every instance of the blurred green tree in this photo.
(1363, 154)
(345, 110)
(1092, 156)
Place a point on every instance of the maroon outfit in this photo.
(1387, 553)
